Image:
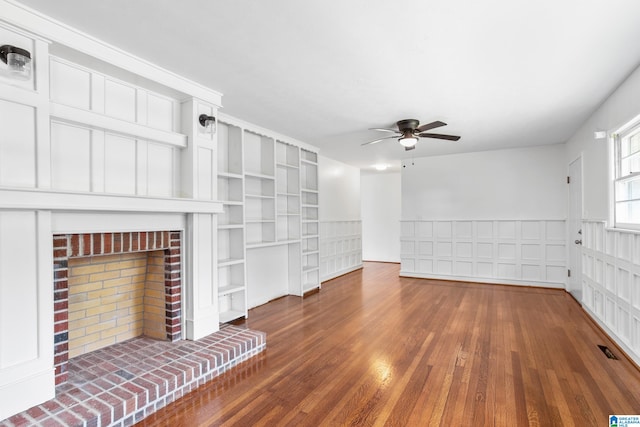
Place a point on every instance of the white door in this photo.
(574, 224)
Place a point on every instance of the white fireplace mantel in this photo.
(69, 201)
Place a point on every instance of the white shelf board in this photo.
(258, 196)
(226, 290)
(229, 261)
(267, 244)
(287, 165)
(308, 162)
(231, 203)
(288, 194)
(309, 236)
(229, 175)
(310, 268)
(259, 176)
(259, 221)
(309, 190)
(229, 226)
(314, 252)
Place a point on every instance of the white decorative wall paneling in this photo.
(26, 330)
(611, 282)
(96, 138)
(528, 252)
(340, 248)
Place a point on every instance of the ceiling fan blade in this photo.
(378, 140)
(431, 125)
(439, 136)
(385, 130)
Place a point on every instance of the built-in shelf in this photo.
(267, 244)
(226, 290)
(258, 196)
(230, 175)
(230, 226)
(232, 285)
(229, 261)
(263, 177)
(258, 176)
(285, 165)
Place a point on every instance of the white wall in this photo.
(524, 183)
(380, 207)
(339, 186)
(610, 257)
(340, 224)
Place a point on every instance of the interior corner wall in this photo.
(492, 216)
(610, 275)
(340, 222)
(380, 201)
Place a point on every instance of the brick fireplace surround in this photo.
(79, 245)
(119, 385)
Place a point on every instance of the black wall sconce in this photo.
(208, 122)
(18, 62)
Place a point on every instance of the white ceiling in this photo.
(501, 73)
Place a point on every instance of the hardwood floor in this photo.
(375, 349)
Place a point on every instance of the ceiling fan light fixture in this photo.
(408, 141)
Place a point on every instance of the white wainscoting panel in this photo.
(340, 248)
(17, 145)
(87, 159)
(528, 252)
(611, 282)
(76, 86)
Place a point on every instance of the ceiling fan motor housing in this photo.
(407, 125)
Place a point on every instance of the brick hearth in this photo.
(123, 383)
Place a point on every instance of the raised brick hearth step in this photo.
(121, 384)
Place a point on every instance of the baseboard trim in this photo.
(489, 280)
(21, 395)
(341, 273)
(620, 346)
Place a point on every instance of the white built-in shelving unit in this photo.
(268, 233)
(310, 225)
(232, 290)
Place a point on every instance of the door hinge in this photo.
(568, 273)
(568, 180)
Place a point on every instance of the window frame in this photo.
(626, 132)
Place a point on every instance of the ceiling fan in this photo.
(409, 132)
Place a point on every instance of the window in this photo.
(627, 178)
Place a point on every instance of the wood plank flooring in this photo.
(375, 349)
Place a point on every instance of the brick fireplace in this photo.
(67, 246)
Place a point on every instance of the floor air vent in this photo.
(607, 352)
